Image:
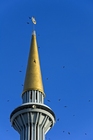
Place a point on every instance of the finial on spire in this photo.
(34, 22)
(33, 33)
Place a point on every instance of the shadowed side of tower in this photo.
(33, 118)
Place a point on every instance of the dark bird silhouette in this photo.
(47, 78)
(58, 119)
(34, 61)
(22, 85)
(7, 100)
(20, 71)
(69, 133)
(48, 100)
(85, 133)
(89, 100)
(29, 17)
(65, 106)
(63, 66)
(27, 22)
(59, 100)
(63, 131)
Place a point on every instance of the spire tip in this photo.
(34, 32)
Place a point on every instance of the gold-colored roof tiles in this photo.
(33, 79)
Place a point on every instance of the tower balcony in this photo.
(32, 120)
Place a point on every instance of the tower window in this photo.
(36, 95)
(31, 96)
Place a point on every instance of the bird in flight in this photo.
(63, 131)
(48, 100)
(85, 133)
(65, 106)
(29, 17)
(58, 119)
(34, 61)
(59, 100)
(27, 22)
(69, 133)
(63, 66)
(20, 71)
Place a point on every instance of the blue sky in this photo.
(65, 37)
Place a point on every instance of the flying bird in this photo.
(65, 106)
(48, 100)
(89, 100)
(29, 17)
(59, 99)
(27, 22)
(85, 133)
(20, 71)
(69, 133)
(63, 131)
(34, 61)
(58, 119)
(63, 66)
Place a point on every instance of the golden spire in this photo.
(33, 79)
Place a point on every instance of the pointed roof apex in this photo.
(33, 78)
(34, 33)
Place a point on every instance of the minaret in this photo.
(33, 118)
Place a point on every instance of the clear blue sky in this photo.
(65, 37)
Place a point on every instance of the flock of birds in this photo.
(29, 22)
(58, 119)
(73, 115)
(65, 106)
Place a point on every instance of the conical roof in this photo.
(33, 79)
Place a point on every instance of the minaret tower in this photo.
(33, 118)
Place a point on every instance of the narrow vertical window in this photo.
(31, 96)
(36, 95)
